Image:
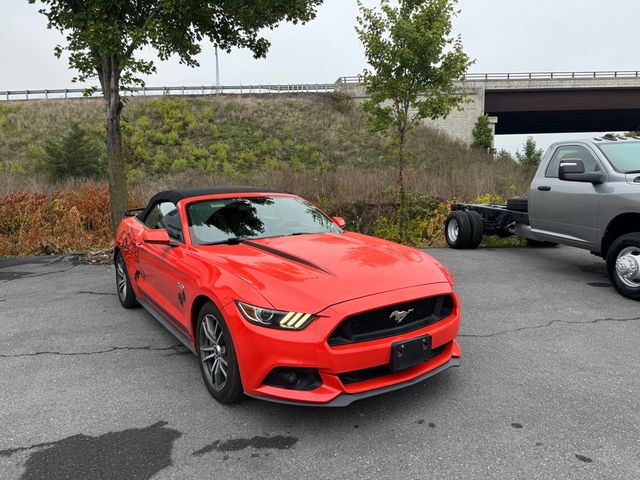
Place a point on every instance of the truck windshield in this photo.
(624, 157)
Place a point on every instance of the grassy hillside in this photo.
(236, 136)
(317, 146)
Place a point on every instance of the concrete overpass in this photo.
(542, 102)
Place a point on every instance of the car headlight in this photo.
(274, 318)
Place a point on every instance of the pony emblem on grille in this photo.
(399, 315)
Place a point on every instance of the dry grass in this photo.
(39, 217)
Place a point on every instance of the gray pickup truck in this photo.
(585, 194)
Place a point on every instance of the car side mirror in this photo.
(339, 221)
(572, 170)
(158, 236)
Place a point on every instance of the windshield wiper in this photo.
(228, 241)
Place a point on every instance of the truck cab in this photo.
(585, 194)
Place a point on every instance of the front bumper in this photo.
(260, 350)
(345, 399)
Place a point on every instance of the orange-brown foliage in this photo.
(37, 223)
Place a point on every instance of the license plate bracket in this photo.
(409, 353)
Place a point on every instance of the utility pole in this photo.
(217, 72)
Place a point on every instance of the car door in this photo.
(163, 280)
(566, 211)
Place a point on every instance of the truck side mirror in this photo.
(571, 165)
(572, 170)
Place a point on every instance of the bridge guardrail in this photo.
(526, 76)
(251, 89)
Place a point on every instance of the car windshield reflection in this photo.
(231, 220)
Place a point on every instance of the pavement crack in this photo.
(547, 325)
(10, 451)
(43, 274)
(87, 292)
(179, 348)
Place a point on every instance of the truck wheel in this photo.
(457, 230)
(518, 205)
(477, 228)
(623, 265)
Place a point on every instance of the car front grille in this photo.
(386, 321)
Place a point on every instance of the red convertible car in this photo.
(280, 303)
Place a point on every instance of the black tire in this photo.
(518, 205)
(123, 283)
(539, 244)
(477, 228)
(457, 230)
(629, 243)
(230, 390)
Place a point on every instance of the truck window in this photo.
(574, 152)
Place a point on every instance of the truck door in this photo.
(563, 211)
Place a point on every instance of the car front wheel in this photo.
(217, 354)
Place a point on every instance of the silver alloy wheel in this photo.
(628, 267)
(213, 352)
(121, 278)
(453, 230)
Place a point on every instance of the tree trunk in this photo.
(402, 208)
(110, 79)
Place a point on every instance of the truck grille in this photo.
(382, 322)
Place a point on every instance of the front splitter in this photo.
(345, 399)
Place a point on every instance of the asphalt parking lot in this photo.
(549, 387)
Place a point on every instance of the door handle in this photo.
(544, 188)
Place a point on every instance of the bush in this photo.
(77, 154)
(66, 221)
(531, 156)
(482, 134)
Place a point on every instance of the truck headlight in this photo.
(266, 317)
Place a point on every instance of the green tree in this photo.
(632, 134)
(483, 134)
(105, 39)
(77, 154)
(415, 62)
(505, 155)
(531, 155)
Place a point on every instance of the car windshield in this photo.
(225, 219)
(624, 157)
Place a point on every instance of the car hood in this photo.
(308, 273)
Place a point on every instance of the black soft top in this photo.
(174, 196)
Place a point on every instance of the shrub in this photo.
(76, 154)
(37, 223)
(482, 134)
(531, 156)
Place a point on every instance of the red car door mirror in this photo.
(339, 221)
(157, 237)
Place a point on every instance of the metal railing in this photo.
(354, 79)
(251, 89)
(552, 75)
(291, 88)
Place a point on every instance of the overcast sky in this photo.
(501, 35)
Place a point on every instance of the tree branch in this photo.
(154, 12)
